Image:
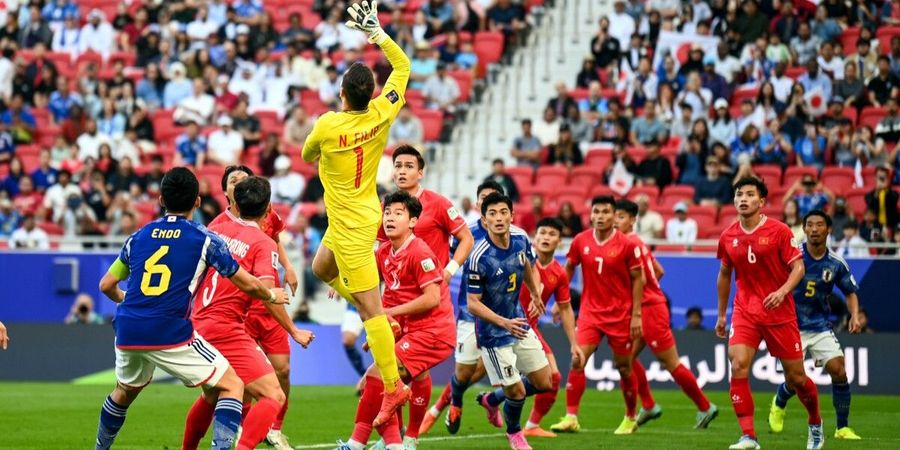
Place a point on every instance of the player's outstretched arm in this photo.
(109, 284)
(365, 18)
(256, 288)
(723, 287)
(430, 299)
(302, 337)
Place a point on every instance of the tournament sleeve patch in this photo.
(275, 260)
(393, 96)
(452, 212)
(474, 276)
(427, 264)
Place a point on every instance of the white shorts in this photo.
(823, 346)
(467, 352)
(351, 323)
(195, 364)
(504, 365)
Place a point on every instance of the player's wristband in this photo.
(272, 296)
(452, 267)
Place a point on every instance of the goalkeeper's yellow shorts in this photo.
(354, 252)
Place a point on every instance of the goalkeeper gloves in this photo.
(365, 19)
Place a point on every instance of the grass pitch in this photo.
(64, 416)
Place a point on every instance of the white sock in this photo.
(529, 425)
(434, 412)
(356, 445)
(395, 447)
(574, 416)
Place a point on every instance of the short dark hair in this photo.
(489, 184)
(412, 204)
(358, 85)
(752, 181)
(851, 225)
(628, 206)
(252, 196)
(551, 222)
(498, 161)
(694, 310)
(494, 198)
(179, 189)
(409, 150)
(231, 169)
(819, 213)
(603, 200)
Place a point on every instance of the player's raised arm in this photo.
(365, 19)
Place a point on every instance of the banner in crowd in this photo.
(670, 42)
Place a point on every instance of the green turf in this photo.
(64, 416)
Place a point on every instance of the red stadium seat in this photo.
(884, 36)
(464, 80)
(522, 175)
(51, 228)
(795, 173)
(488, 45)
(602, 189)
(650, 191)
(871, 115)
(740, 95)
(526, 192)
(795, 72)
(586, 176)
(708, 213)
(771, 175)
(868, 176)
(848, 39)
(576, 195)
(675, 193)
(856, 200)
(838, 179)
(551, 176)
(598, 158)
(432, 124)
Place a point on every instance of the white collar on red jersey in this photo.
(611, 235)
(403, 247)
(762, 221)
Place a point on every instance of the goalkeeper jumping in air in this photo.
(349, 145)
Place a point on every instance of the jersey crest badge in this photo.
(427, 265)
(827, 275)
(587, 250)
(393, 96)
(452, 213)
(734, 243)
(764, 241)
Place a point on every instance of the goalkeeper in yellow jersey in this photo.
(349, 145)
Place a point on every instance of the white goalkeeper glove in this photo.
(365, 19)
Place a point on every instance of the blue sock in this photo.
(112, 417)
(783, 395)
(512, 414)
(529, 388)
(457, 389)
(840, 397)
(226, 420)
(355, 358)
(496, 398)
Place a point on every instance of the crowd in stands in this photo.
(801, 94)
(98, 98)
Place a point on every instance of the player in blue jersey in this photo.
(824, 270)
(469, 367)
(514, 358)
(168, 259)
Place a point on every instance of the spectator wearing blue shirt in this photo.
(506, 16)
(21, 122)
(439, 14)
(745, 144)
(9, 218)
(247, 10)
(594, 106)
(7, 146)
(815, 79)
(44, 176)
(190, 147)
(809, 195)
(422, 66)
(810, 148)
(56, 11)
(150, 88)
(774, 145)
(178, 88)
(62, 100)
(10, 183)
(823, 27)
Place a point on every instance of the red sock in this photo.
(742, 401)
(390, 432)
(685, 378)
(444, 399)
(197, 423)
(258, 422)
(629, 391)
(545, 400)
(643, 387)
(369, 405)
(246, 410)
(418, 405)
(575, 386)
(809, 396)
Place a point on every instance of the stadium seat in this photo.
(706, 212)
(795, 173)
(488, 45)
(51, 228)
(522, 175)
(598, 158)
(551, 176)
(526, 192)
(650, 191)
(794, 72)
(601, 189)
(868, 176)
(432, 124)
(674, 194)
(838, 179)
(586, 176)
(464, 80)
(884, 36)
(848, 39)
(871, 115)
(282, 209)
(770, 174)
(740, 95)
(856, 200)
(576, 195)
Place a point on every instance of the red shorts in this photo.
(540, 336)
(264, 329)
(419, 352)
(618, 337)
(657, 332)
(782, 340)
(248, 360)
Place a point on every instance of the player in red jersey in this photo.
(555, 282)
(439, 221)
(417, 297)
(220, 311)
(262, 326)
(610, 306)
(657, 332)
(767, 265)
